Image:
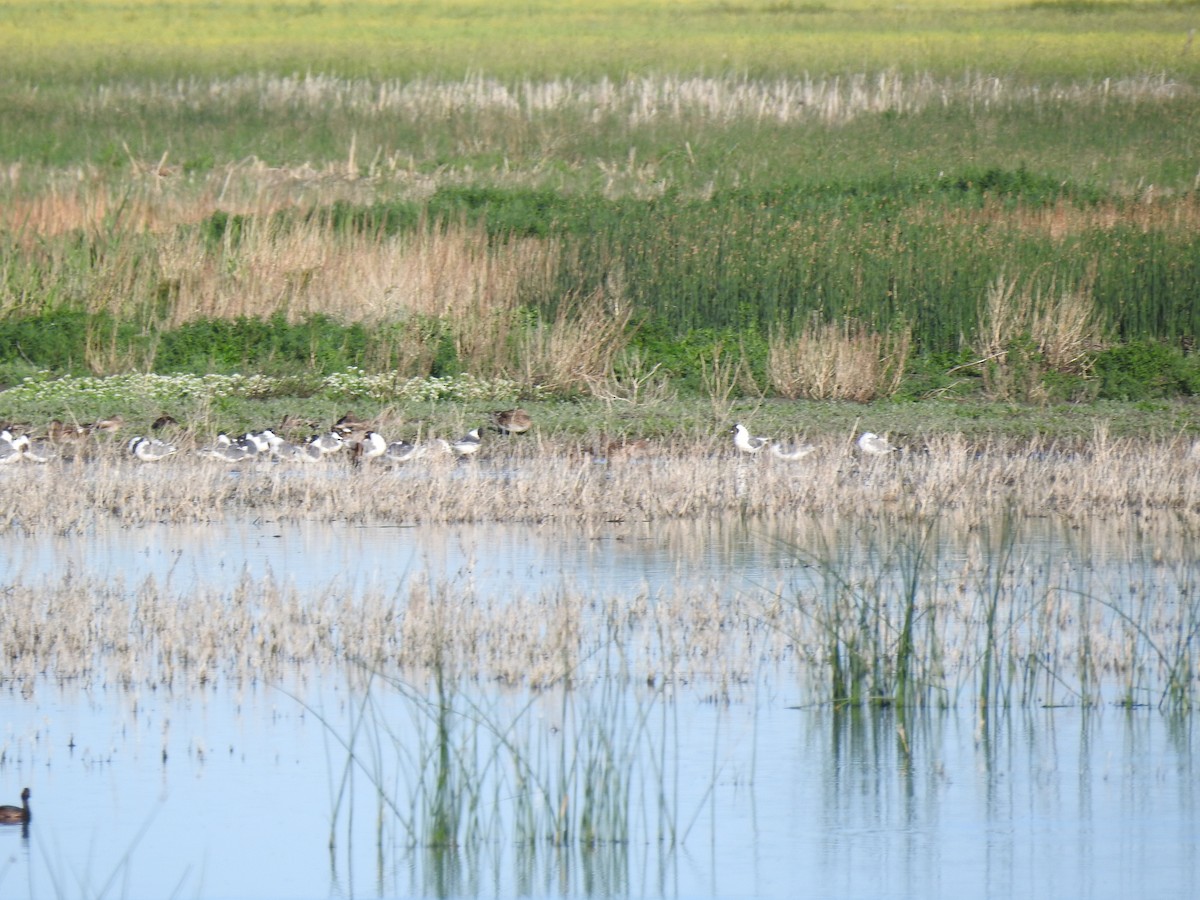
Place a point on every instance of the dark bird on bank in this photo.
(512, 421)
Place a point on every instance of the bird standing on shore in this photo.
(401, 451)
(468, 444)
(791, 452)
(512, 421)
(874, 445)
(744, 441)
(151, 449)
(373, 444)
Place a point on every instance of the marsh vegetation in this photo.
(798, 216)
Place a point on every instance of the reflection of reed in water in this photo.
(899, 608)
(556, 784)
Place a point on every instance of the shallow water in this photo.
(226, 791)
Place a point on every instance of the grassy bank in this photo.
(851, 225)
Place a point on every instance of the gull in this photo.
(259, 441)
(304, 453)
(151, 449)
(401, 451)
(329, 442)
(512, 421)
(746, 442)
(38, 451)
(10, 452)
(791, 451)
(226, 450)
(371, 446)
(467, 444)
(874, 445)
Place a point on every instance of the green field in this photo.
(818, 200)
(1063, 39)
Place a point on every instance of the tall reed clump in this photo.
(576, 351)
(567, 768)
(1026, 333)
(838, 361)
(874, 616)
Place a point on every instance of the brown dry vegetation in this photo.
(147, 635)
(1061, 219)
(838, 361)
(539, 480)
(1059, 330)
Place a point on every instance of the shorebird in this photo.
(350, 425)
(329, 442)
(874, 445)
(746, 442)
(111, 425)
(512, 421)
(10, 452)
(371, 446)
(625, 448)
(401, 451)
(467, 444)
(38, 451)
(791, 451)
(60, 432)
(151, 449)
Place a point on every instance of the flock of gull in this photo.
(348, 436)
(868, 442)
(354, 437)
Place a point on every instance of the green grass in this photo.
(542, 38)
(732, 168)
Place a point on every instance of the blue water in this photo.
(224, 792)
(215, 796)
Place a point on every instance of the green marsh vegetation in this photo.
(690, 213)
(844, 203)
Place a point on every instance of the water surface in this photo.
(224, 790)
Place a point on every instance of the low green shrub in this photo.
(1145, 369)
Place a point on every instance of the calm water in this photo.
(219, 792)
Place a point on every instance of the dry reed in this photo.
(831, 361)
(1023, 332)
(545, 481)
(1019, 607)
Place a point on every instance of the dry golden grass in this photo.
(542, 480)
(576, 352)
(1062, 219)
(1024, 331)
(838, 361)
(714, 638)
